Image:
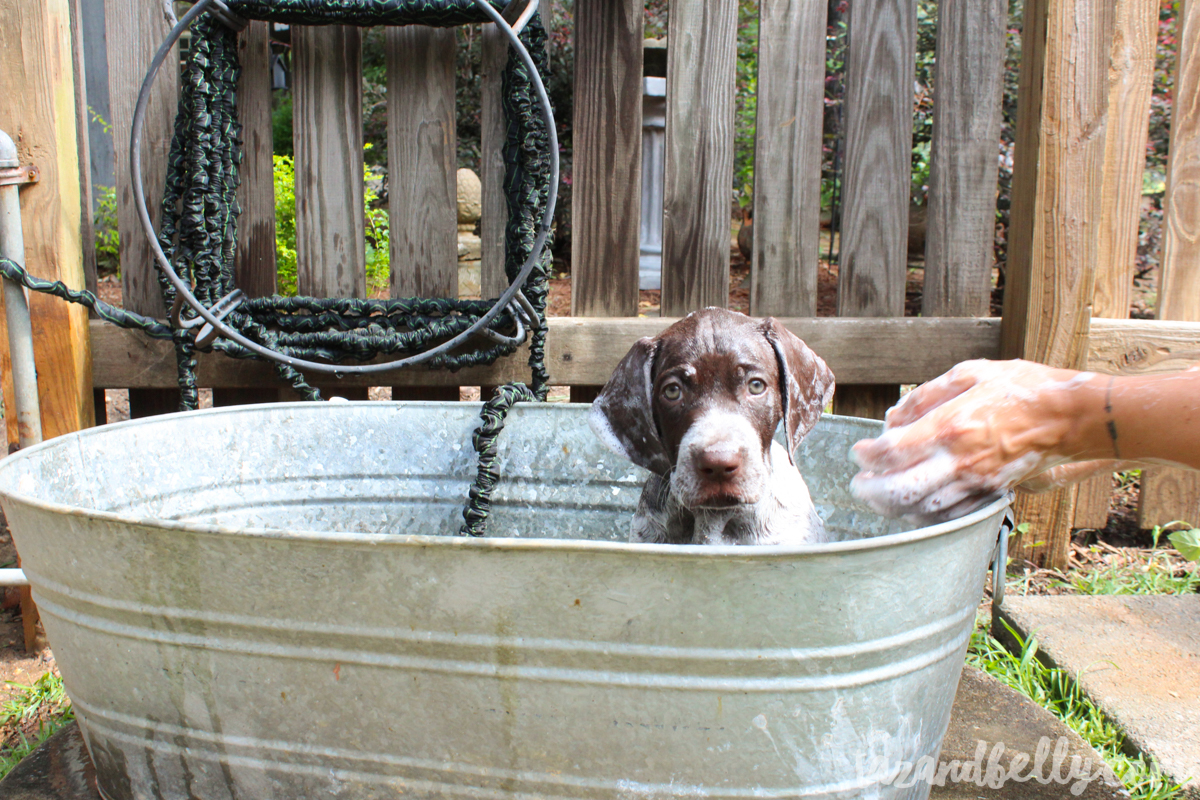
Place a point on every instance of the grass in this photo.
(44, 705)
(1156, 575)
(1059, 693)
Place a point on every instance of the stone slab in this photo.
(1028, 743)
(984, 710)
(1137, 657)
(60, 769)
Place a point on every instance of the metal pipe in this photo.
(16, 307)
(13, 577)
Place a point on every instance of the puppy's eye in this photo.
(672, 391)
(757, 386)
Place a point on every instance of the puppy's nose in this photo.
(719, 463)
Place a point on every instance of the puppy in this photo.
(698, 406)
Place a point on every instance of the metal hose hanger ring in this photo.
(510, 297)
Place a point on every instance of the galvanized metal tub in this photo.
(264, 602)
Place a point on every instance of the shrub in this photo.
(375, 230)
(108, 238)
(285, 225)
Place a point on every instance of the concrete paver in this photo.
(1137, 657)
(987, 711)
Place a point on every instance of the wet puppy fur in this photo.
(698, 406)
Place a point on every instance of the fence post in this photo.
(1131, 81)
(1056, 209)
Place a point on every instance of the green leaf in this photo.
(1187, 543)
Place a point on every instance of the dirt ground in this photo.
(17, 666)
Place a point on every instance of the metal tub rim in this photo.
(756, 552)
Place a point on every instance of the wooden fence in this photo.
(1086, 72)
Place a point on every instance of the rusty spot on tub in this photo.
(337, 672)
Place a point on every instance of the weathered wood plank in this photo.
(1179, 291)
(879, 78)
(584, 351)
(607, 170)
(327, 132)
(492, 280)
(254, 266)
(1142, 347)
(87, 227)
(1131, 79)
(962, 176)
(1057, 187)
(787, 157)
(699, 158)
(131, 46)
(422, 190)
(874, 239)
(1169, 494)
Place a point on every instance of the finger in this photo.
(894, 450)
(973, 502)
(898, 493)
(928, 396)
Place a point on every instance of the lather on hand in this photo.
(955, 443)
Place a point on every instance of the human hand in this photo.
(956, 443)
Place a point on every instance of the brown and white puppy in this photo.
(698, 406)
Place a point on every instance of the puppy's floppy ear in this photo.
(622, 416)
(805, 382)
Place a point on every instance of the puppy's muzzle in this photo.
(719, 468)
(718, 472)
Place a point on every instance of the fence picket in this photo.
(872, 264)
(492, 279)
(699, 169)
(327, 133)
(131, 47)
(254, 268)
(961, 222)
(787, 157)
(607, 167)
(422, 189)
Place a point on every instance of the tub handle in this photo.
(13, 577)
(1000, 559)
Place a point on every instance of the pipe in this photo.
(16, 307)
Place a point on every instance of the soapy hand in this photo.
(961, 440)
